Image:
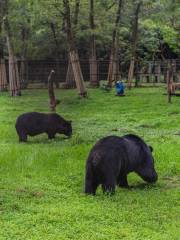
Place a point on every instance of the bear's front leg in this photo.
(51, 136)
(91, 187)
(91, 183)
(23, 137)
(122, 181)
(109, 185)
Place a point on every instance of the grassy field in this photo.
(41, 182)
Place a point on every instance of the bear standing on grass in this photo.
(112, 158)
(34, 123)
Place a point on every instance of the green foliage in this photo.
(159, 21)
(41, 193)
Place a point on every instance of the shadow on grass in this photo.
(45, 140)
(143, 186)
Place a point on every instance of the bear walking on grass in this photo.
(34, 123)
(112, 158)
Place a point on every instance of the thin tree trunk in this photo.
(93, 60)
(52, 26)
(131, 72)
(113, 65)
(14, 80)
(70, 79)
(134, 44)
(3, 77)
(73, 54)
(149, 73)
(23, 64)
(76, 14)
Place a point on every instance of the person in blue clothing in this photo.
(119, 88)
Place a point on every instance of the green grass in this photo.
(41, 182)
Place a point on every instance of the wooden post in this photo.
(169, 77)
(52, 99)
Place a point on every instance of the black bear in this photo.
(34, 123)
(113, 157)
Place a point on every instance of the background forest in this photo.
(38, 28)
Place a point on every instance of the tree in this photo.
(92, 59)
(73, 53)
(70, 78)
(3, 78)
(113, 65)
(14, 80)
(135, 25)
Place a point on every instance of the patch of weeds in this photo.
(77, 139)
(25, 192)
(37, 194)
(177, 133)
(174, 113)
(172, 181)
(155, 125)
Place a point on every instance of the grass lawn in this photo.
(41, 182)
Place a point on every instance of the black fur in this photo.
(112, 158)
(34, 123)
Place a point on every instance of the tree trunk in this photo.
(73, 54)
(131, 72)
(14, 80)
(149, 73)
(157, 72)
(74, 58)
(93, 60)
(52, 26)
(134, 43)
(70, 79)
(169, 77)
(138, 78)
(3, 78)
(114, 63)
(23, 73)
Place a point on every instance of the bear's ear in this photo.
(70, 122)
(151, 148)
